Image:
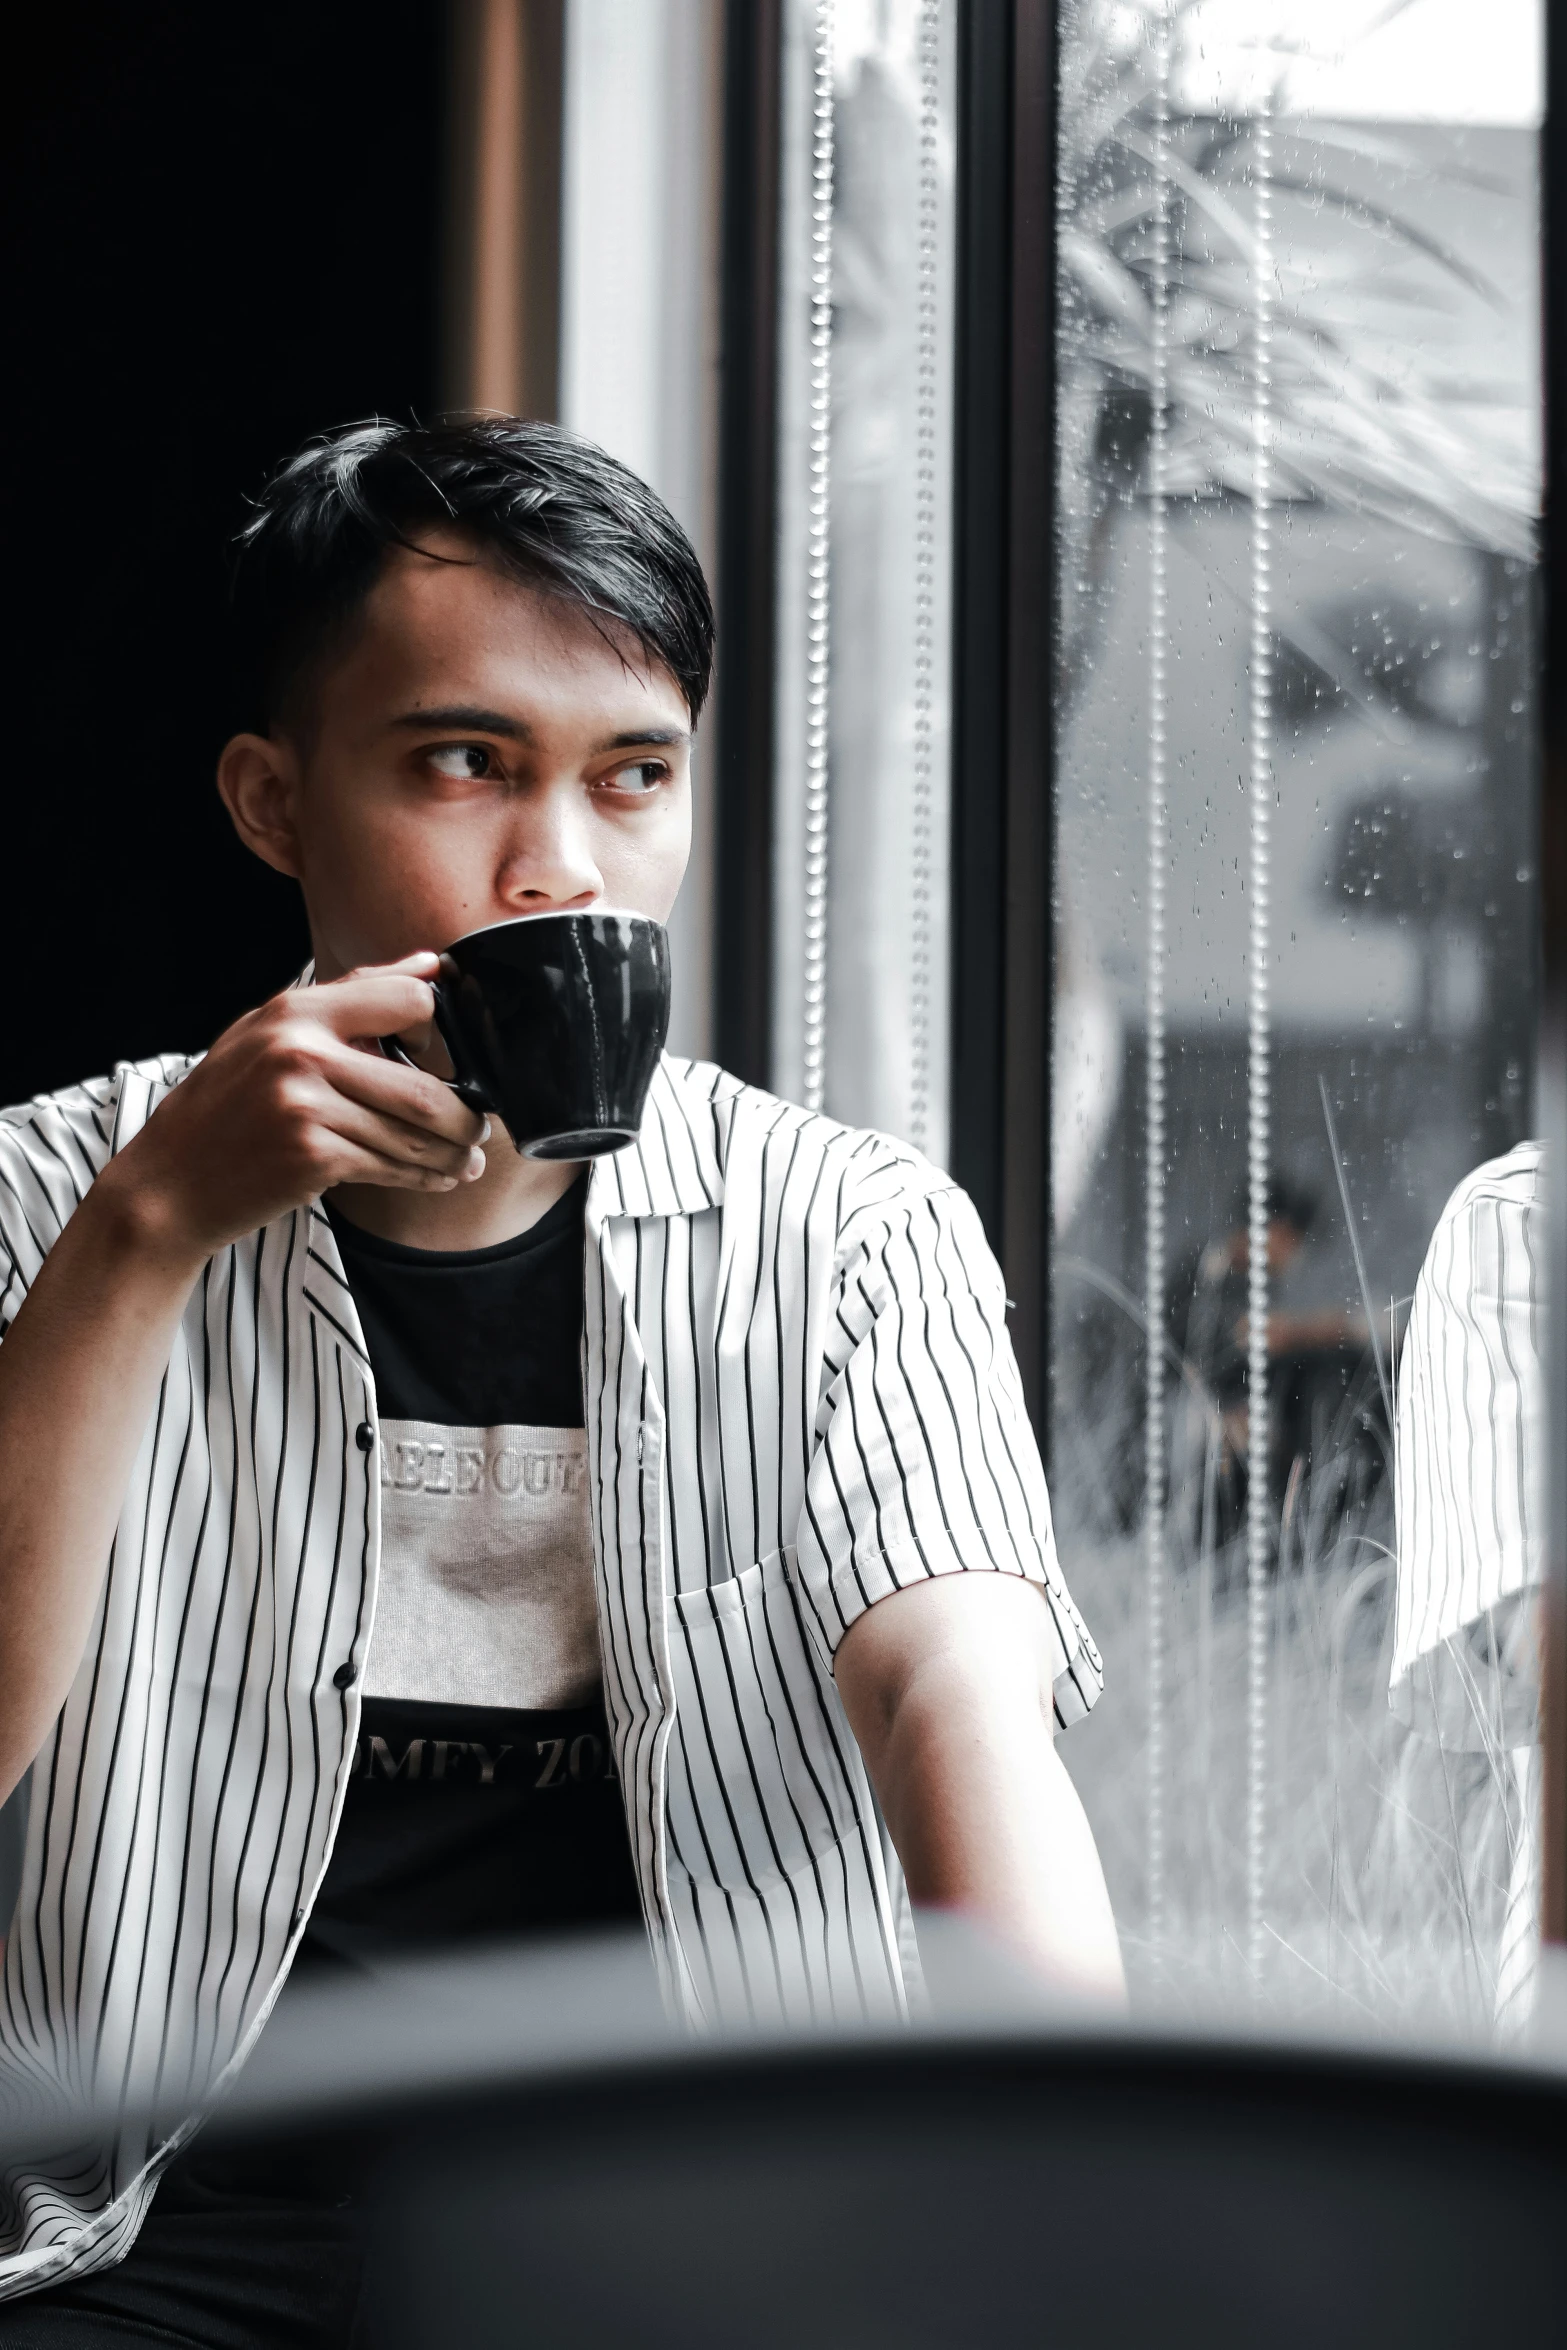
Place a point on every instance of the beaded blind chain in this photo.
(924, 568)
(1156, 1470)
(1259, 1028)
(818, 549)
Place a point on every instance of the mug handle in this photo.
(467, 1093)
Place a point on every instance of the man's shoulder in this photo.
(760, 1139)
(75, 1130)
(1509, 1187)
(1513, 1180)
(1485, 1246)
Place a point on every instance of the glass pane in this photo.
(1298, 482)
(864, 494)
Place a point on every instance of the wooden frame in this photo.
(501, 326)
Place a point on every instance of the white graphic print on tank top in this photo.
(486, 1593)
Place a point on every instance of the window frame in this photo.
(1552, 1085)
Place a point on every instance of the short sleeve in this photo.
(49, 1158)
(925, 1463)
(1469, 1467)
(52, 1150)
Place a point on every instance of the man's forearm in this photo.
(986, 1820)
(947, 1689)
(79, 1376)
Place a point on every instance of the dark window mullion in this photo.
(1003, 649)
(1553, 1022)
(743, 726)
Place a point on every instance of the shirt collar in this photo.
(673, 1168)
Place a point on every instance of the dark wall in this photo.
(221, 232)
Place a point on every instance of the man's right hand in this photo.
(291, 1100)
(295, 1098)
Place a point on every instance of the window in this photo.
(1297, 490)
(860, 978)
(1153, 641)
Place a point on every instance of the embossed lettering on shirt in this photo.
(486, 1593)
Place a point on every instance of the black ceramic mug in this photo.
(554, 1024)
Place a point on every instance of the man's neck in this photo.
(511, 1194)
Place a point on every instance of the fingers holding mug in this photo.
(395, 1088)
(387, 999)
(403, 1150)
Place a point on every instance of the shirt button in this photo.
(343, 1678)
(364, 1436)
(299, 1919)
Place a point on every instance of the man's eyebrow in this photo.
(670, 737)
(465, 718)
(462, 717)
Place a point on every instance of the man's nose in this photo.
(548, 861)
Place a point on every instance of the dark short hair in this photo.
(1290, 1201)
(553, 510)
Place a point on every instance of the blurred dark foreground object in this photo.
(546, 2159)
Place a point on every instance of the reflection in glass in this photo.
(1298, 481)
(1470, 1477)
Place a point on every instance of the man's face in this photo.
(475, 752)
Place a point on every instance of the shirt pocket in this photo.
(765, 1780)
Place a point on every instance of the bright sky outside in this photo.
(1480, 61)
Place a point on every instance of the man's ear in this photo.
(258, 781)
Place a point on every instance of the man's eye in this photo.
(638, 781)
(461, 762)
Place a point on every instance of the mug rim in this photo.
(557, 914)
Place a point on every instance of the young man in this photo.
(406, 1540)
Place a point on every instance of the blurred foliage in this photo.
(1384, 400)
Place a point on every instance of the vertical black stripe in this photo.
(753, 1446)
(781, 1870)
(699, 1357)
(266, 1580)
(111, 1773)
(806, 1838)
(647, 1710)
(712, 1870)
(216, 1820)
(993, 1419)
(258, 1584)
(328, 1614)
(198, 1552)
(610, 1612)
(829, 1725)
(983, 1418)
(805, 1335)
(721, 1783)
(650, 1598)
(170, 1515)
(285, 1805)
(158, 1839)
(67, 1998)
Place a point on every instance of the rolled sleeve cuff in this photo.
(875, 1574)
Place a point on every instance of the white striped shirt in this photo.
(1470, 1463)
(799, 1397)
